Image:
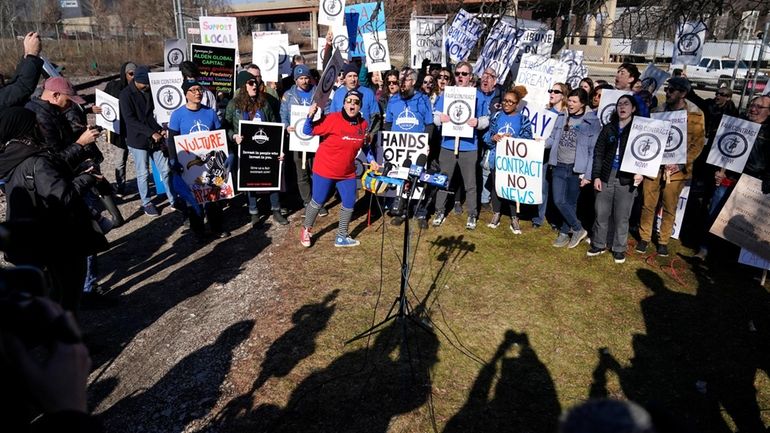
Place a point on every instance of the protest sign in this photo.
(645, 146)
(167, 94)
(532, 42)
(427, 36)
(377, 52)
(331, 12)
(519, 170)
(109, 118)
(688, 44)
(653, 78)
(397, 147)
(542, 119)
(219, 31)
(284, 59)
(577, 70)
(607, 104)
(319, 60)
(746, 257)
(341, 40)
(539, 73)
(259, 167)
(328, 78)
(462, 35)
(299, 142)
(743, 218)
(360, 19)
(203, 157)
(676, 146)
(681, 206)
(733, 142)
(174, 53)
(266, 53)
(498, 50)
(460, 106)
(216, 66)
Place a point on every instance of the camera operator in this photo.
(17, 91)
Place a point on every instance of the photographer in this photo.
(18, 90)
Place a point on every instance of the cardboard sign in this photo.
(360, 19)
(733, 142)
(462, 35)
(688, 44)
(109, 118)
(460, 106)
(519, 170)
(542, 119)
(498, 51)
(174, 53)
(216, 66)
(607, 103)
(427, 36)
(577, 70)
(331, 12)
(259, 168)
(653, 78)
(219, 31)
(167, 94)
(328, 78)
(646, 143)
(377, 52)
(681, 206)
(676, 146)
(299, 142)
(743, 219)
(203, 156)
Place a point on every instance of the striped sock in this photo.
(345, 216)
(311, 212)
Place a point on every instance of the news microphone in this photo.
(417, 169)
(440, 180)
(401, 172)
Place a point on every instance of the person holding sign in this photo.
(615, 190)
(370, 110)
(671, 178)
(505, 123)
(572, 149)
(343, 135)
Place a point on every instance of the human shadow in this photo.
(187, 392)
(361, 391)
(524, 400)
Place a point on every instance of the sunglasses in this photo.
(428, 82)
(252, 82)
(556, 91)
(130, 74)
(462, 74)
(444, 77)
(353, 101)
(392, 83)
(672, 89)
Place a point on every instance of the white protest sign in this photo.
(299, 142)
(174, 53)
(167, 94)
(732, 143)
(331, 12)
(577, 70)
(219, 31)
(203, 156)
(397, 147)
(688, 44)
(498, 51)
(743, 218)
(109, 118)
(519, 170)
(676, 146)
(427, 35)
(538, 74)
(462, 35)
(532, 42)
(681, 206)
(319, 55)
(607, 103)
(377, 52)
(542, 119)
(746, 257)
(266, 53)
(328, 78)
(284, 60)
(653, 78)
(644, 149)
(341, 40)
(460, 106)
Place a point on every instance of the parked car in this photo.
(714, 71)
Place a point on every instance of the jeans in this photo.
(253, 198)
(141, 161)
(119, 160)
(92, 268)
(543, 206)
(566, 189)
(467, 161)
(614, 200)
(486, 194)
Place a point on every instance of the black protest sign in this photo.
(259, 167)
(217, 67)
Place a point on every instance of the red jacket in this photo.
(341, 140)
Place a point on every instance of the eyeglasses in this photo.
(353, 101)
(486, 75)
(428, 82)
(444, 77)
(759, 107)
(252, 82)
(392, 83)
(510, 101)
(461, 74)
(556, 91)
(197, 90)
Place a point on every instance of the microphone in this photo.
(416, 170)
(439, 180)
(403, 171)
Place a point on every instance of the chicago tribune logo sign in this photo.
(645, 147)
(459, 112)
(332, 7)
(175, 57)
(108, 112)
(733, 145)
(689, 44)
(377, 52)
(675, 138)
(169, 97)
(298, 125)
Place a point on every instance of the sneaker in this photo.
(561, 241)
(304, 237)
(702, 253)
(641, 247)
(595, 251)
(471, 224)
(397, 221)
(458, 208)
(438, 219)
(223, 234)
(619, 257)
(151, 210)
(577, 237)
(323, 212)
(422, 223)
(663, 250)
(280, 219)
(495, 221)
(345, 242)
(515, 226)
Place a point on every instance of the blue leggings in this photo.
(322, 186)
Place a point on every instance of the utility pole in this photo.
(759, 59)
(608, 23)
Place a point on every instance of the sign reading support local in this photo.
(462, 35)
(645, 146)
(219, 31)
(427, 39)
(733, 142)
(167, 94)
(519, 170)
(460, 106)
(676, 146)
(203, 156)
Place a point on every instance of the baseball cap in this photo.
(356, 93)
(142, 75)
(63, 86)
(679, 83)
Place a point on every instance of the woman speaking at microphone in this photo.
(343, 135)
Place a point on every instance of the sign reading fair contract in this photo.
(427, 35)
(203, 156)
(167, 94)
(174, 53)
(608, 102)
(460, 106)
(733, 142)
(676, 146)
(219, 31)
(498, 51)
(259, 167)
(645, 146)
(328, 78)
(216, 66)
(743, 218)
(109, 118)
(397, 147)
(688, 44)
(299, 142)
(519, 170)
(462, 35)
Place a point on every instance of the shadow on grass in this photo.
(524, 399)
